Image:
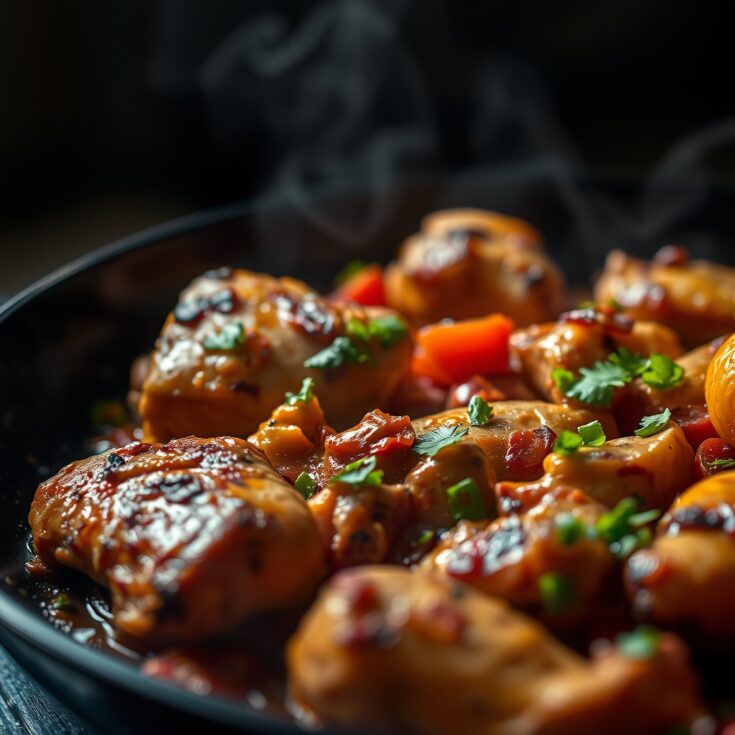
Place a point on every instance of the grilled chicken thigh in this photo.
(389, 650)
(191, 537)
(238, 341)
(469, 263)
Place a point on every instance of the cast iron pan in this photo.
(68, 341)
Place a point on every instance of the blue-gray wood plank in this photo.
(27, 709)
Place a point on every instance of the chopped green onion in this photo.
(361, 473)
(480, 411)
(231, 337)
(465, 501)
(567, 443)
(305, 394)
(569, 529)
(641, 643)
(432, 442)
(306, 485)
(425, 537)
(558, 592)
(652, 425)
(593, 435)
(624, 528)
(724, 464)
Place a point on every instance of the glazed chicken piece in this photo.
(237, 342)
(687, 577)
(654, 469)
(191, 537)
(469, 263)
(579, 339)
(695, 298)
(720, 390)
(514, 556)
(520, 433)
(389, 650)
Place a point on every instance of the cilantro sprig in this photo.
(231, 337)
(432, 442)
(479, 411)
(361, 473)
(596, 385)
(388, 329)
(342, 351)
(305, 394)
(652, 425)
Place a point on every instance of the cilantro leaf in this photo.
(568, 442)
(631, 362)
(624, 528)
(563, 379)
(465, 501)
(480, 411)
(343, 351)
(361, 473)
(389, 329)
(558, 592)
(652, 425)
(305, 394)
(306, 485)
(593, 435)
(597, 384)
(231, 336)
(662, 372)
(641, 643)
(432, 442)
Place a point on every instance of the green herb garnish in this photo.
(465, 501)
(652, 425)
(343, 351)
(231, 337)
(597, 384)
(563, 379)
(568, 442)
(641, 643)
(432, 442)
(631, 362)
(306, 485)
(558, 592)
(724, 464)
(593, 435)
(662, 372)
(361, 473)
(62, 601)
(305, 394)
(480, 411)
(425, 537)
(624, 528)
(570, 529)
(389, 329)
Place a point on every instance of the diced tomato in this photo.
(526, 451)
(365, 287)
(713, 456)
(459, 350)
(695, 423)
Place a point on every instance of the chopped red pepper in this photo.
(365, 287)
(526, 450)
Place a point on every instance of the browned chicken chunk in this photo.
(687, 577)
(191, 537)
(238, 341)
(695, 298)
(389, 650)
(469, 263)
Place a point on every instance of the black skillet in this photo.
(69, 340)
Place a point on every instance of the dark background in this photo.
(119, 114)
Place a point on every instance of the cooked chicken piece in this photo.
(696, 298)
(520, 433)
(513, 557)
(655, 469)
(579, 339)
(191, 537)
(687, 577)
(719, 390)
(389, 650)
(237, 341)
(469, 263)
(643, 400)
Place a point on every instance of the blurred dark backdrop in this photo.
(122, 113)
